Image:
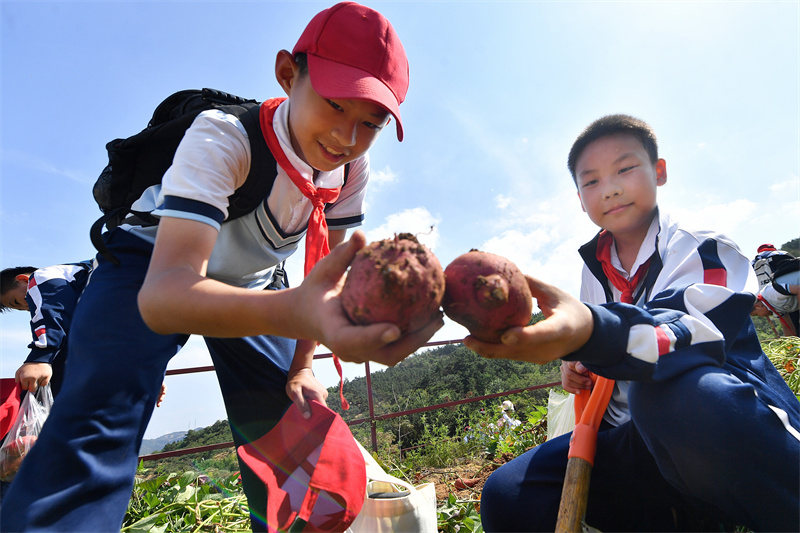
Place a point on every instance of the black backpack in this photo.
(138, 162)
(770, 266)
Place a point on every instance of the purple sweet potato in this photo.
(394, 280)
(487, 294)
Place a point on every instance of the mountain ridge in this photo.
(157, 444)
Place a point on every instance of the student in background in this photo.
(50, 295)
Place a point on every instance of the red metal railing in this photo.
(372, 418)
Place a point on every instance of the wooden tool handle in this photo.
(574, 496)
(582, 447)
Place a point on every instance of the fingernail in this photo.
(510, 338)
(306, 414)
(390, 335)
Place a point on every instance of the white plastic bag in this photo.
(387, 509)
(560, 413)
(33, 412)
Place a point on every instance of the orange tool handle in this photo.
(589, 411)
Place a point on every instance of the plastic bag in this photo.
(560, 413)
(392, 505)
(33, 411)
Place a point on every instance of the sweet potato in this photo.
(12, 454)
(395, 280)
(487, 294)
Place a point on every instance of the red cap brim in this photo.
(335, 80)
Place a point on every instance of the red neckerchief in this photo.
(627, 286)
(317, 235)
(787, 326)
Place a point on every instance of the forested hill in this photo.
(440, 375)
(434, 376)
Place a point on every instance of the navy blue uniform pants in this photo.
(79, 476)
(702, 449)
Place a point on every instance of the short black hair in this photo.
(302, 62)
(613, 125)
(8, 279)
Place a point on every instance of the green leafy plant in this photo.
(784, 352)
(187, 502)
(458, 517)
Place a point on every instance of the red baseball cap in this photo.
(766, 248)
(312, 468)
(354, 52)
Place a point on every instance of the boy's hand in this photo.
(302, 386)
(575, 377)
(320, 294)
(161, 394)
(567, 326)
(33, 375)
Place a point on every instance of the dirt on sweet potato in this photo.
(395, 280)
(487, 294)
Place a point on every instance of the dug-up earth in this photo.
(464, 480)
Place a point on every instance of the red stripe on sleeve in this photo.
(716, 276)
(663, 341)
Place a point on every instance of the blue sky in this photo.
(498, 92)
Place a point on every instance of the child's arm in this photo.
(177, 297)
(302, 385)
(623, 341)
(51, 303)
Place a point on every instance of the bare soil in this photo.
(465, 480)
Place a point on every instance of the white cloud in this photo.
(418, 221)
(722, 217)
(32, 162)
(542, 238)
(379, 177)
(501, 201)
(789, 188)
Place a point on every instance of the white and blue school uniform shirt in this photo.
(782, 302)
(53, 293)
(690, 302)
(211, 162)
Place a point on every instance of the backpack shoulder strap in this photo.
(788, 265)
(262, 164)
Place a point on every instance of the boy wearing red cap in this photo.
(701, 431)
(197, 273)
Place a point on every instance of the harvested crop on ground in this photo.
(784, 352)
(487, 294)
(395, 280)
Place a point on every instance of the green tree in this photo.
(793, 247)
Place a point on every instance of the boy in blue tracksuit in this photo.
(50, 295)
(198, 273)
(701, 430)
